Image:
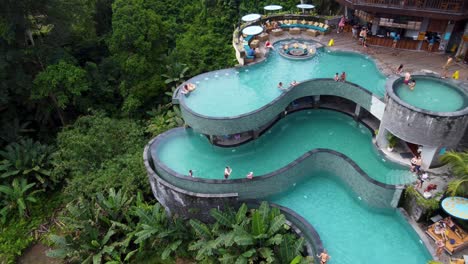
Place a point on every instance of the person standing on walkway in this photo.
(396, 38)
(363, 36)
(341, 24)
(446, 66)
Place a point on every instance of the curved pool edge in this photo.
(300, 226)
(418, 232)
(262, 116)
(189, 199)
(396, 80)
(246, 188)
(419, 126)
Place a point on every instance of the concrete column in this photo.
(443, 42)
(375, 25)
(424, 26)
(357, 112)
(381, 138)
(430, 156)
(463, 45)
(316, 101)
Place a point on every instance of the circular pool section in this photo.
(296, 49)
(432, 94)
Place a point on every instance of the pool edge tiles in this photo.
(293, 165)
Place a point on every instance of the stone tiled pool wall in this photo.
(254, 120)
(421, 126)
(374, 193)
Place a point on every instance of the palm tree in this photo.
(16, 197)
(459, 166)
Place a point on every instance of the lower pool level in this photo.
(352, 232)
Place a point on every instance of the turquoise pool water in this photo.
(432, 95)
(286, 141)
(234, 92)
(352, 232)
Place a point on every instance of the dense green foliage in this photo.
(258, 236)
(458, 161)
(83, 85)
(117, 228)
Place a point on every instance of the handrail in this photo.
(458, 6)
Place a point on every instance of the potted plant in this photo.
(392, 141)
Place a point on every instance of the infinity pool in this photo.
(351, 231)
(234, 92)
(290, 138)
(433, 95)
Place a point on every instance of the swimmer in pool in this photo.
(412, 84)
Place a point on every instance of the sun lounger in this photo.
(458, 243)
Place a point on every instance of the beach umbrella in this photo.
(305, 6)
(273, 7)
(252, 30)
(251, 17)
(456, 206)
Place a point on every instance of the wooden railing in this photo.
(458, 6)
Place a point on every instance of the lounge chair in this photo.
(458, 243)
(456, 261)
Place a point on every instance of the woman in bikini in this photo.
(324, 257)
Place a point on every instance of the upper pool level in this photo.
(232, 92)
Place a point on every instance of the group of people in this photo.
(340, 78)
(228, 171)
(440, 229)
(281, 86)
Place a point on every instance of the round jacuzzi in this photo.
(296, 48)
(433, 113)
(432, 94)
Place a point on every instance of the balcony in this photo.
(457, 9)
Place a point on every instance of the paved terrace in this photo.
(388, 59)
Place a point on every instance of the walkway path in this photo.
(387, 58)
(390, 58)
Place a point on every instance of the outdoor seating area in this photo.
(454, 243)
(294, 23)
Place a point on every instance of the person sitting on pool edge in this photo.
(293, 83)
(407, 78)
(188, 88)
(268, 45)
(250, 175)
(337, 77)
(343, 77)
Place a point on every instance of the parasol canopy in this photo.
(273, 7)
(456, 206)
(251, 17)
(252, 30)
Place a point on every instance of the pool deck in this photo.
(388, 59)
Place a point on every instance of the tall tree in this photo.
(138, 43)
(62, 83)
